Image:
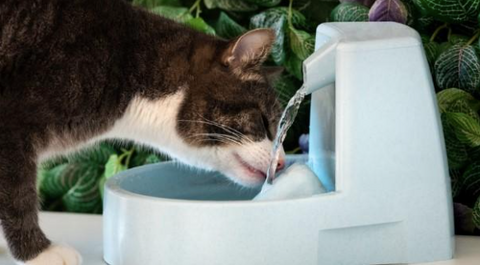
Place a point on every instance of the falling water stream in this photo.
(286, 121)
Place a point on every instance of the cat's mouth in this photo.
(251, 170)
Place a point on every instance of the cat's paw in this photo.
(57, 255)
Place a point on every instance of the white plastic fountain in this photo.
(390, 199)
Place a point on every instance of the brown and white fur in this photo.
(74, 72)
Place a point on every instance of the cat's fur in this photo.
(73, 72)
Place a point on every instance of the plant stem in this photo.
(130, 153)
(289, 18)
(472, 39)
(196, 7)
(294, 151)
(435, 33)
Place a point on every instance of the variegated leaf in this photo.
(278, 22)
(266, 3)
(458, 66)
(349, 12)
(388, 10)
(227, 27)
(301, 43)
(231, 5)
(476, 213)
(467, 129)
(450, 10)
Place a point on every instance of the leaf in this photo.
(349, 12)
(412, 13)
(301, 43)
(84, 197)
(153, 3)
(179, 14)
(227, 27)
(294, 66)
(471, 181)
(301, 4)
(456, 150)
(199, 24)
(462, 106)
(448, 97)
(431, 52)
(450, 10)
(474, 153)
(467, 129)
(388, 10)
(443, 47)
(476, 214)
(97, 155)
(286, 88)
(153, 159)
(278, 22)
(367, 3)
(113, 166)
(458, 66)
(455, 177)
(51, 183)
(298, 19)
(456, 39)
(231, 5)
(266, 3)
(423, 23)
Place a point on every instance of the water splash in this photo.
(286, 121)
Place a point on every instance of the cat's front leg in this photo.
(19, 211)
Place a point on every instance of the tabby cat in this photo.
(74, 72)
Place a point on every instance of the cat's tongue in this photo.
(298, 181)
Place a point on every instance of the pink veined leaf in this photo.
(367, 3)
(388, 10)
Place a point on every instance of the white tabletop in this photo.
(84, 233)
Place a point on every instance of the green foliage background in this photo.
(449, 31)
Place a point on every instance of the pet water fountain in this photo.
(374, 110)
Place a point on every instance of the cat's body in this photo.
(73, 72)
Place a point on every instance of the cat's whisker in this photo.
(213, 124)
(227, 127)
(218, 137)
(224, 127)
(222, 137)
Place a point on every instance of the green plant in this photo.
(75, 183)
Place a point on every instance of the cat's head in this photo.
(231, 108)
(225, 113)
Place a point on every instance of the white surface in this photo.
(298, 181)
(84, 232)
(81, 231)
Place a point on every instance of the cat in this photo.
(75, 72)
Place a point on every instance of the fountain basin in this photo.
(168, 213)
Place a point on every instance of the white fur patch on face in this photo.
(154, 122)
(56, 255)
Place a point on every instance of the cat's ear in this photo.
(252, 48)
(272, 73)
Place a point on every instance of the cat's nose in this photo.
(281, 160)
(280, 163)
